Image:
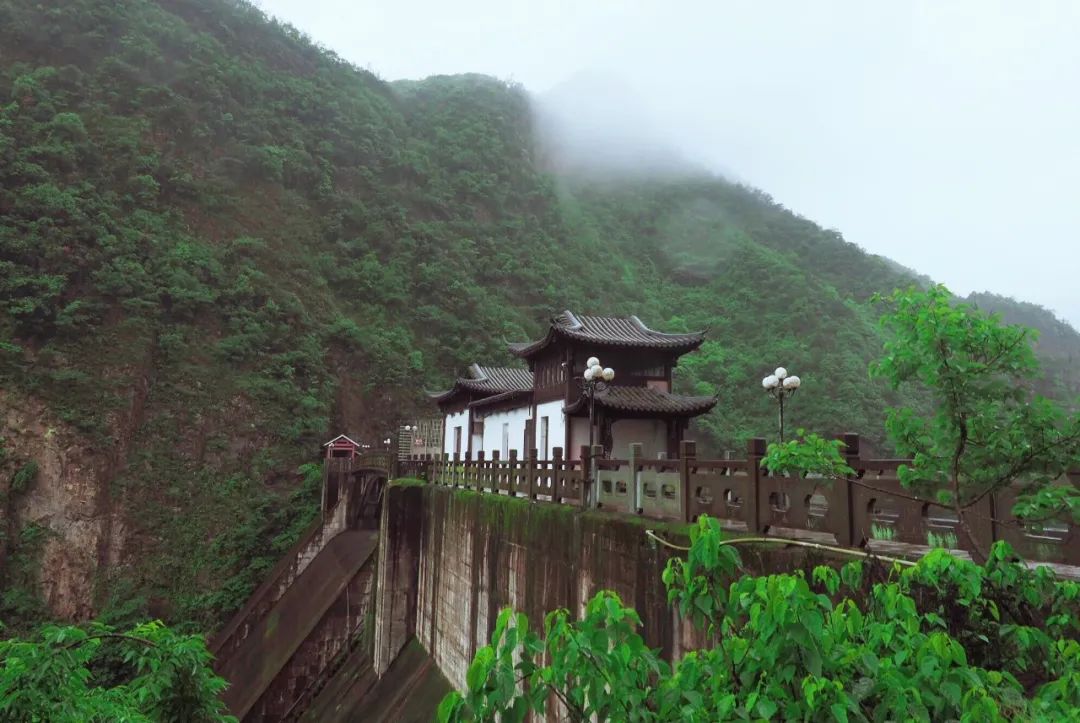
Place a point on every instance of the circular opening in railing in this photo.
(779, 501)
(732, 500)
(883, 520)
(940, 524)
(668, 491)
(703, 495)
(1050, 539)
(817, 507)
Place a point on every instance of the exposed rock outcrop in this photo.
(64, 497)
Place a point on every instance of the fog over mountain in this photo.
(594, 124)
(937, 134)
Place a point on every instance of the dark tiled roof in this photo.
(514, 394)
(644, 400)
(505, 378)
(628, 331)
(489, 381)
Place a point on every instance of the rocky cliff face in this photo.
(65, 502)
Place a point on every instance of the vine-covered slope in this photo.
(220, 243)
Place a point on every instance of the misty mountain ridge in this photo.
(221, 245)
(592, 125)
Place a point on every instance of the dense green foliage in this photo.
(220, 243)
(986, 429)
(944, 639)
(95, 674)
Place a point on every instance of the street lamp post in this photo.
(595, 379)
(781, 386)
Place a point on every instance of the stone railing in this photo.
(870, 509)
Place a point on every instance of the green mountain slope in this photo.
(220, 244)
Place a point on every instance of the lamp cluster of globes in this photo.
(779, 380)
(595, 373)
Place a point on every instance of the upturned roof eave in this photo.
(502, 397)
(682, 342)
(697, 407)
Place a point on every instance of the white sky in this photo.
(941, 134)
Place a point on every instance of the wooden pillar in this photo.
(487, 469)
(496, 470)
(845, 530)
(534, 462)
(585, 455)
(634, 488)
(687, 454)
(531, 472)
(595, 455)
(557, 472)
(481, 471)
(513, 471)
(755, 450)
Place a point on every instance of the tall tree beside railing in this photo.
(987, 429)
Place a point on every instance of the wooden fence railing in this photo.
(873, 508)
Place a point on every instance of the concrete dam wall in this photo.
(380, 625)
(449, 560)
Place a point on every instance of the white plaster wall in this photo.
(651, 433)
(579, 435)
(493, 430)
(459, 419)
(556, 427)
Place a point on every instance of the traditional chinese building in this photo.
(340, 447)
(543, 406)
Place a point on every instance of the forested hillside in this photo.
(220, 244)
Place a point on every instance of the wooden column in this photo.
(595, 455)
(513, 471)
(557, 472)
(585, 454)
(687, 453)
(481, 471)
(496, 470)
(843, 498)
(531, 473)
(634, 488)
(534, 462)
(755, 450)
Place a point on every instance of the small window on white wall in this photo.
(506, 440)
(543, 437)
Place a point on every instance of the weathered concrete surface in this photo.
(478, 553)
(288, 569)
(311, 621)
(410, 690)
(399, 563)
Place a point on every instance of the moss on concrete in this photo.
(409, 482)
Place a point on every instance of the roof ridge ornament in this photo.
(478, 371)
(575, 323)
